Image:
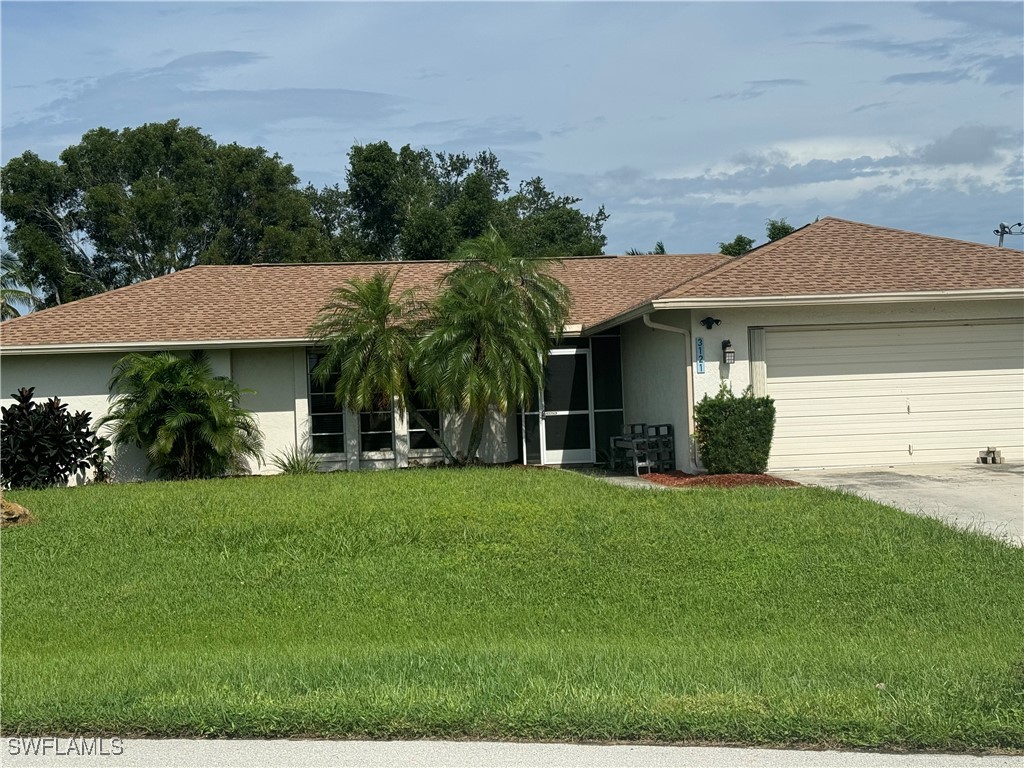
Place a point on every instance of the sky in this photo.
(689, 122)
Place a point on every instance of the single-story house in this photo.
(879, 346)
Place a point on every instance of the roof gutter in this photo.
(685, 333)
(837, 298)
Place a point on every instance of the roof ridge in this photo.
(404, 262)
(694, 278)
(736, 261)
(909, 232)
(659, 294)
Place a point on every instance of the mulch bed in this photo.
(676, 479)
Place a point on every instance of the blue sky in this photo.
(690, 122)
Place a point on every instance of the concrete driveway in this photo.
(986, 497)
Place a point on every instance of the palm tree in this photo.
(187, 420)
(491, 327)
(369, 339)
(15, 288)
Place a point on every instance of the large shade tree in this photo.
(186, 419)
(129, 205)
(412, 204)
(775, 229)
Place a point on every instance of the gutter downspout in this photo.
(691, 455)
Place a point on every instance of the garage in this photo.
(895, 394)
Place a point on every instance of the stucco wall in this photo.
(499, 441)
(279, 402)
(81, 382)
(654, 378)
(271, 374)
(736, 324)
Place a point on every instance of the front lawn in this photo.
(506, 603)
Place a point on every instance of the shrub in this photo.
(296, 461)
(734, 434)
(42, 444)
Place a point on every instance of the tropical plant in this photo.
(15, 288)
(296, 460)
(187, 420)
(659, 250)
(43, 444)
(490, 330)
(369, 338)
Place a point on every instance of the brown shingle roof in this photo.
(278, 302)
(835, 256)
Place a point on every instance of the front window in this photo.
(327, 418)
(419, 438)
(376, 431)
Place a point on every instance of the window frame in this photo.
(329, 456)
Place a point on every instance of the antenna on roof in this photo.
(1007, 229)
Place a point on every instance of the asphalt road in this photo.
(160, 753)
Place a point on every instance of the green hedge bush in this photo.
(734, 434)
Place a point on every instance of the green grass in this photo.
(503, 603)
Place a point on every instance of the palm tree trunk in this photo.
(476, 435)
(420, 419)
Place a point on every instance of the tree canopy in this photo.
(775, 229)
(414, 204)
(129, 205)
(15, 290)
(659, 250)
(123, 206)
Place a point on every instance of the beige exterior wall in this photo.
(654, 378)
(270, 373)
(499, 441)
(279, 400)
(81, 382)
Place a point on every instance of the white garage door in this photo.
(895, 394)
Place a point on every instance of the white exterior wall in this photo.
(736, 325)
(654, 378)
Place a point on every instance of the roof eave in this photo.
(146, 346)
(837, 298)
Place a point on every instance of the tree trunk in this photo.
(420, 419)
(476, 436)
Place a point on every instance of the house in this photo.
(879, 346)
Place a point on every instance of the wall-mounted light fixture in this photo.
(728, 353)
(709, 321)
